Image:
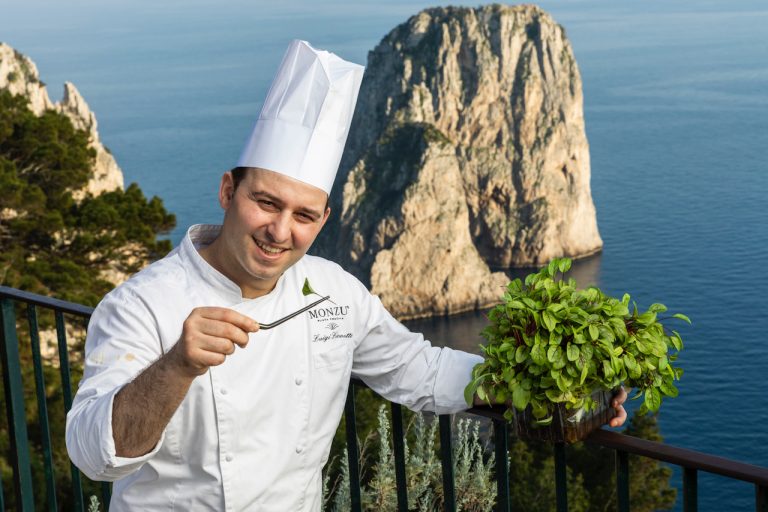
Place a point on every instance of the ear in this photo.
(226, 190)
(325, 216)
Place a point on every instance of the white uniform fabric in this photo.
(255, 432)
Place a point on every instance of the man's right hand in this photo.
(209, 335)
(143, 408)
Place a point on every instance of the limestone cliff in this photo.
(467, 152)
(19, 75)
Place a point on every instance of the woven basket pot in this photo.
(568, 426)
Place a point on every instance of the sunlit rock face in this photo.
(467, 153)
(19, 75)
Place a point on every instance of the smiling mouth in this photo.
(268, 249)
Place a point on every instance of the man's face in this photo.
(270, 222)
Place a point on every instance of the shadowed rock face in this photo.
(467, 152)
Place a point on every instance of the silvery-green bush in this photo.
(473, 470)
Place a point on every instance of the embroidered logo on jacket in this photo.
(329, 312)
(332, 318)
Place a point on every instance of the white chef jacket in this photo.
(254, 432)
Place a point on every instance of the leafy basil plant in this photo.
(550, 343)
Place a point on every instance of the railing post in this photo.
(14, 403)
(622, 480)
(501, 437)
(42, 407)
(398, 438)
(561, 478)
(761, 498)
(353, 454)
(106, 494)
(66, 388)
(690, 490)
(446, 458)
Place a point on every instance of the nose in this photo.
(279, 230)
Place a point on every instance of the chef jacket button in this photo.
(299, 449)
(228, 458)
(223, 391)
(298, 381)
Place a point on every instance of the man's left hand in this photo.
(618, 404)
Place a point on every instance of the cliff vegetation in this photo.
(68, 227)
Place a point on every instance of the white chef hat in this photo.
(304, 122)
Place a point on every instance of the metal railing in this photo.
(689, 460)
(12, 300)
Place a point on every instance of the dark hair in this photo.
(238, 174)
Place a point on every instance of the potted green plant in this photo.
(554, 355)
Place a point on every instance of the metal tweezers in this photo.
(295, 313)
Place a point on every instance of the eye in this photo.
(304, 217)
(267, 205)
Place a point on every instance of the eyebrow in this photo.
(307, 211)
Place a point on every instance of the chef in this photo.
(187, 402)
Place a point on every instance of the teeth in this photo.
(267, 249)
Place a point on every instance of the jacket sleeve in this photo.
(405, 368)
(120, 343)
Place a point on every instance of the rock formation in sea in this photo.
(19, 75)
(467, 153)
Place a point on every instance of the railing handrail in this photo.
(48, 302)
(683, 457)
(664, 452)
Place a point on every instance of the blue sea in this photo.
(676, 108)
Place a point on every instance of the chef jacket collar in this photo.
(199, 236)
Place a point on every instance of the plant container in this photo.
(568, 425)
